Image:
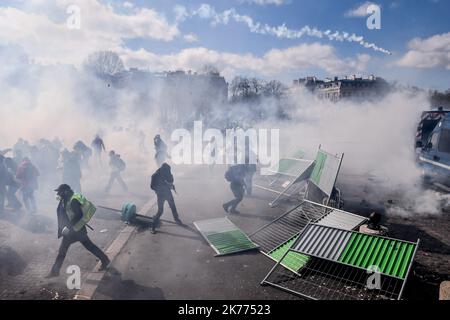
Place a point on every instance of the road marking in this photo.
(93, 279)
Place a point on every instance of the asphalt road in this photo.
(177, 263)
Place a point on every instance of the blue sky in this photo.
(237, 50)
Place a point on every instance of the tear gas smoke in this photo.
(376, 137)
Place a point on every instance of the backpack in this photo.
(88, 209)
(153, 182)
(120, 164)
(233, 173)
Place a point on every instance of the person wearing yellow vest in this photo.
(74, 212)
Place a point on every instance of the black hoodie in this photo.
(162, 179)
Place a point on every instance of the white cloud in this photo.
(273, 63)
(127, 4)
(431, 52)
(46, 39)
(190, 37)
(359, 11)
(264, 2)
(181, 13)
(42, 31)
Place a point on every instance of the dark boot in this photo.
(225, 207)
(104, 265)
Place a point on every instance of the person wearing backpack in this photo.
(117, 166)
(74, 212)
(162, 184)
(235, 175)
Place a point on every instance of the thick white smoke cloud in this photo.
(59, 101)
(377, 139)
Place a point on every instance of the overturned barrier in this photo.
(224, 236)
(299, 179)
(291, 223)
(341, 264)
(321, 184)
(287, 179)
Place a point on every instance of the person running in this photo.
(73, 212)
(235, 175)
(117, 166)
(162, 184)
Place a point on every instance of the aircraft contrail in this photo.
(205, 11)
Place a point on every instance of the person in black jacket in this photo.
(236, 176)
(162, 184)
(99, 146)
(66, 230)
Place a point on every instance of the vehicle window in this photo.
(444, 142)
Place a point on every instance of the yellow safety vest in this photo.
(87, 208)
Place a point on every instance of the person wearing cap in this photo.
(74, 211)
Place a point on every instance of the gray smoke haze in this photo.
(376, 137)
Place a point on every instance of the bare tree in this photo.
(239, 88)
(273, 88)
(104, 63)
(256, 86)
